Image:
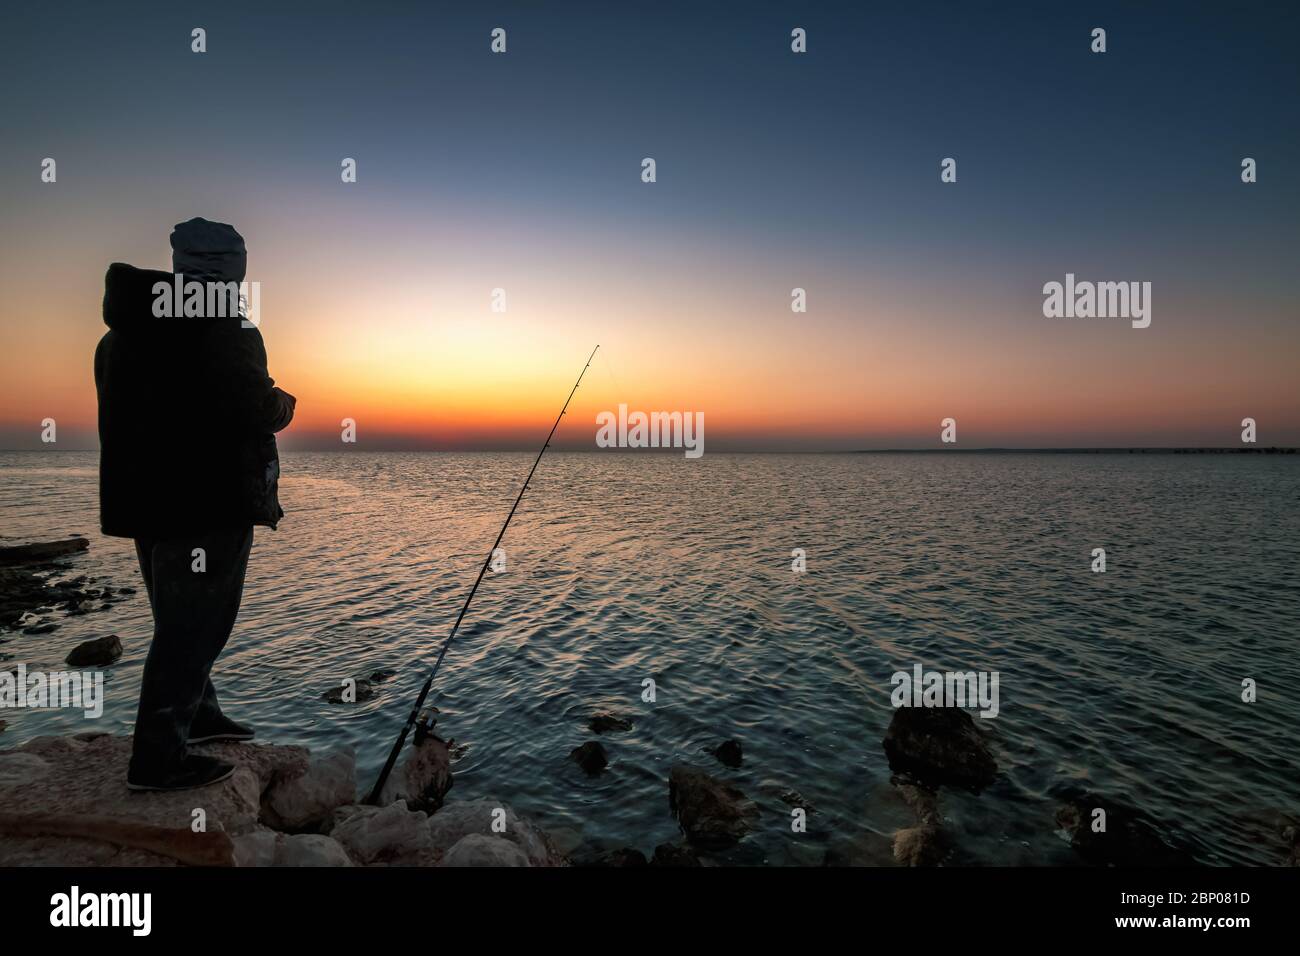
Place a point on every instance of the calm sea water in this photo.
(627, 567)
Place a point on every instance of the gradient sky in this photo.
(775, 170)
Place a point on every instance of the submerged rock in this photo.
(591, 757)
(712, 814)
(44, 628)
(939, 745)
(867, 849)
(793, 798)
(618, 857)
(364, 691)
(365, 688)
(923, 845)
(1290, 837)
(1130, 839)
(729, 753)
(99, 652)
(307, 800)
(922, 801)
(25, 589)
(604, 723)
(927, 843)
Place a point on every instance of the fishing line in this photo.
(424, 691)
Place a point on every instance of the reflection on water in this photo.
(626, 567)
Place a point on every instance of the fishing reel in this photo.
(425, 724)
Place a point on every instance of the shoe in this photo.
(194, 771)
(222, 728)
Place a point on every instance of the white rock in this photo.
(256, 848)
(308, 800)
(18, 768)
(248, 788)
(391, 834)
(459, 819)
(310, 849)
(265, 847)
(479, 849)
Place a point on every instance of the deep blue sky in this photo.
(1122, 165)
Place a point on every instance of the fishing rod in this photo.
(424, 691)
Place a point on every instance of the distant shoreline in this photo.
(1077, 451)
(1273, 450)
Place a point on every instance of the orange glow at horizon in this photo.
(416, 355)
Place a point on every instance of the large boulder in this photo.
(939, 745)
(392, 835)
(479, 849)
(424, 778)
(1129, 838)
(712, 814)
(306, 801)
(458, 819)
(67, 797)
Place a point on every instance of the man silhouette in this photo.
(188, 465)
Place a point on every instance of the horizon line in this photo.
(992, 449)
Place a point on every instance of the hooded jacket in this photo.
(187, 415)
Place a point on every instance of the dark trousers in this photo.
(193, 613)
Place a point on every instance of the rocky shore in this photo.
(34, 592)
(63, 802)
